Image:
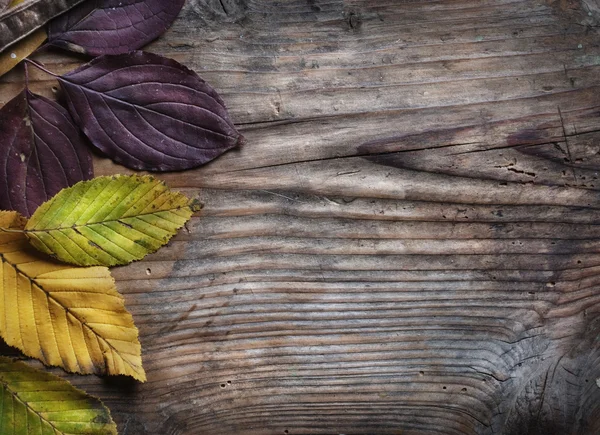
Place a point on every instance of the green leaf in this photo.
(33, 402)
(109, 221)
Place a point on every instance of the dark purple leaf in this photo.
(112, 26)
(149, 112)
(41, 152)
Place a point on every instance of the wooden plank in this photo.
(408, 242)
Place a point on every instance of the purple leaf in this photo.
(41, 152)
(98, 27)
(149, 112)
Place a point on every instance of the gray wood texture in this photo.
(407, 244)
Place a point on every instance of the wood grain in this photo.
(407, 244)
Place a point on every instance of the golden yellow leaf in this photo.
(66, 316)
(33, 402)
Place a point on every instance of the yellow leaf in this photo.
(109, 221)
(36, 402)
(72, 317)
(14, 54)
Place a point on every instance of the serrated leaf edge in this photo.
(59, 379)
(193, 205)
(138, 372)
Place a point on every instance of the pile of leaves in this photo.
(61, 228)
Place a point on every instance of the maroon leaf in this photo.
(149, 112)
(98, 27)
(41, 152)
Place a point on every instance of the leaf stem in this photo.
(6, 230)
(38, 66)
(26, 75)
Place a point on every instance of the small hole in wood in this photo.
(148, 271)
(444, 387)
(286, 431)
(54, 89)
(464, 390)
(229, 382)
(222, 385)
(421, 373)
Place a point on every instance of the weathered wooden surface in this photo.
(408, 243)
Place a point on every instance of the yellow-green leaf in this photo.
(109, 221)
(33, 402)
(66, 316)
(14, 54)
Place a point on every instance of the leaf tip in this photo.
(49, 393)
(136, 372)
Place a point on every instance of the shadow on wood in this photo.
(407, 244)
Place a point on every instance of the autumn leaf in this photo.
(72, 317)
(19, 51)
(41, 152)
(109, 220)
(149, 112)
(112, 26)
(19, 21)
(33, 402)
